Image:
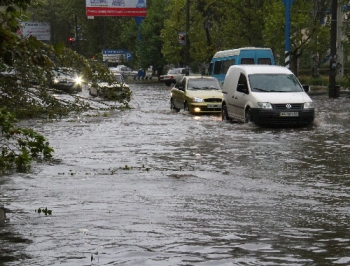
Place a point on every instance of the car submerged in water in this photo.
(196, 94)
(174, 75)
(123, 70)
(110, 89)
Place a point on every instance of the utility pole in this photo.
(287, 4)
(333, 91)
(187, 39)
(76, 33)
(340, 47)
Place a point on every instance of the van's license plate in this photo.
(214, 105)
(289, 114)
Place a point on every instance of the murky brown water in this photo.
(152, 187)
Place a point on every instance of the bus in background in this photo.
(222, 60)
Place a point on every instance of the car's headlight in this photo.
(78, 80)
(308, 105)
(197, 100)
(55, 80)
(265, 105)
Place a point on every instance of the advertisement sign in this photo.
(116, 8)
(40, 30)
(118, 55)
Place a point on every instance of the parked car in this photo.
(196, 94)
(174, 75)
(67, 80)
(265, 95)
(124, 70)
(109, 89)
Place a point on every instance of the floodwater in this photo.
(149, 186)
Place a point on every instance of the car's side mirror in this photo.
(306, 88)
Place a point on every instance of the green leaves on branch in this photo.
(20, 146)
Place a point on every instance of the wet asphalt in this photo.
(148, 186)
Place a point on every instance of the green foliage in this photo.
(307, 33)
(20, 146)
(214, 25)
(150, 52)
(119, 92)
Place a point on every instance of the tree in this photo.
(307, 31)
(20, 146)
(214, 25)
(151, 44)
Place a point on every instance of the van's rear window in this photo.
(247, 61)
(264, 61)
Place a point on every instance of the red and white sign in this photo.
(116, 8)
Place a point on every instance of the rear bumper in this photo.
(273, 117)
(167, 80)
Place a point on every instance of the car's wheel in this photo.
(172, 106)
(247, 115)
(168, 83)
(224, 113)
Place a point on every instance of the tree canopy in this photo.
(214, 26)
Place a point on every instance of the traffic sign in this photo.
(116, 55)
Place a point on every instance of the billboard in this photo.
(116, 8)
(40, 30)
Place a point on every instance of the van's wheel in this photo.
(224, 115)
(248, 115)
(172, 106)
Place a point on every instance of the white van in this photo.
(266, 95)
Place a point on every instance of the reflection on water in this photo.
(149, 186)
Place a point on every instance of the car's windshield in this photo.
(64, 72)
(274, 83)
(203, 84)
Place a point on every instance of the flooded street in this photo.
(149, 186)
